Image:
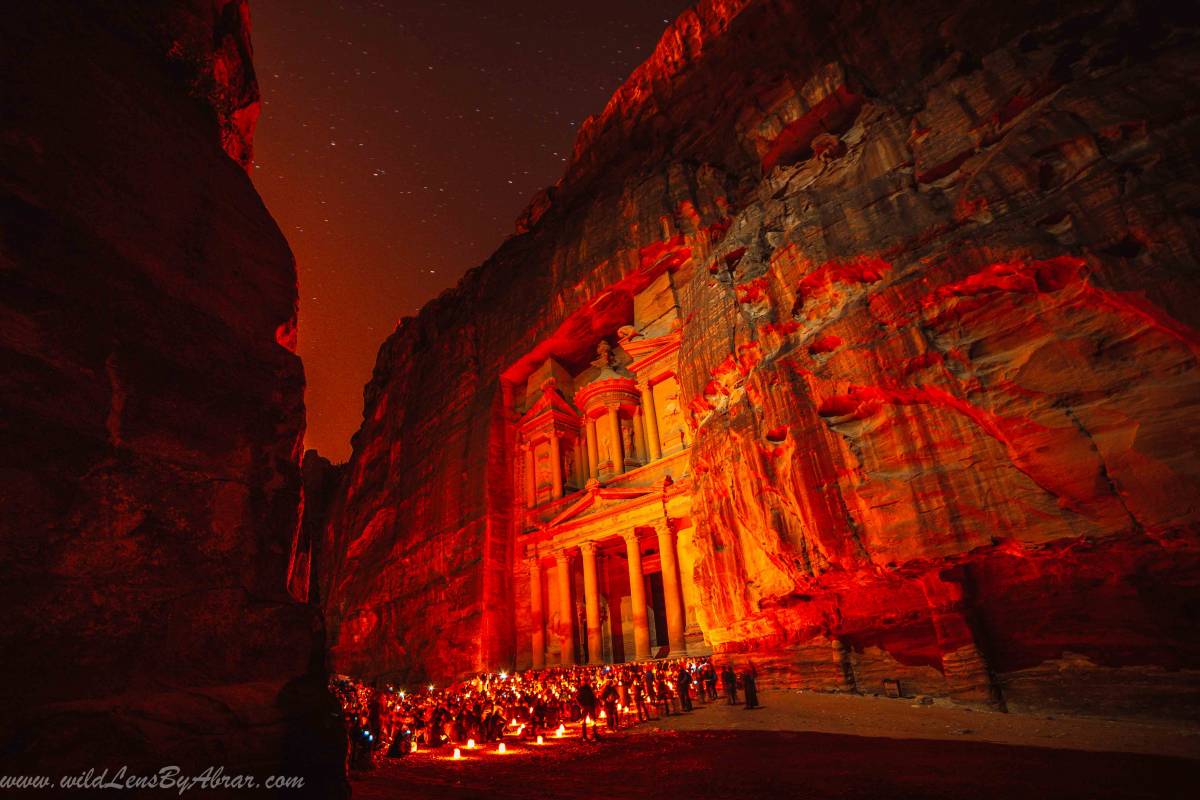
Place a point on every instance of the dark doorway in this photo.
(658, 602)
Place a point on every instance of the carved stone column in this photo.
(537, 613)
(673, 595)
(530, 477)
(639, 437)
(556, 471)
(592, 602)
(614, 433)
(637, 596)
(592, 449)
(566, 609)
(651, 421)
(581, 475)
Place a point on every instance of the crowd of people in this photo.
(384, 721)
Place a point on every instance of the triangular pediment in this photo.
(597, 502)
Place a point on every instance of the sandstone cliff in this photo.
(937, 268)
(152, 407)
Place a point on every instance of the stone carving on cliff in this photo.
(938, 350)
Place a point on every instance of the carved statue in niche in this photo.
(603, 450)
(672, 419)
(603, 355)
(569, 464)
(543, 466)
(627, 438)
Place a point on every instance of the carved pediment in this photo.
(598, 501)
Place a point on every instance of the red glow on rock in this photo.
(286, 335)
(753, 292)
(826, 344)
(668, 255)
(833, 114)
(717, 231)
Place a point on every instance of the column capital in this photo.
(587, 548)
(630, 536)
(563, 555)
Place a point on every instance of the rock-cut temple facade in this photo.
(604, 468)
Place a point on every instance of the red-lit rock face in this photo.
(151, 419)
(935, 264)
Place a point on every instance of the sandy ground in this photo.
(811, 746)
(905, 719)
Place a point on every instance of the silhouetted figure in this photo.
(729, 681)
(609, 697)
(685, 689)
(750, 688)
(586, 698)
(710, 681)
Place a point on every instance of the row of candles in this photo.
(502, 749)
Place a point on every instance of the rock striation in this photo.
(935, 265)
(152, 408)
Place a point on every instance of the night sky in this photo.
(398, 143)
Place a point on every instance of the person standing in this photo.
(586, 698)
(609, 697)
(638, 691)
(750, 688)
(729, 680)
(710, 680)
(685, 689)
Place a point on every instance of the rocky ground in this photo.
(808, 745)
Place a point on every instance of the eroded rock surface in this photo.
(152, 407)
(937, 269)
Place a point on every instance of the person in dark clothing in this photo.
(751, 689)
(710, 680)
(585, 697)
(638, 692)
(609, 697)
(685, 689)
(729, 681)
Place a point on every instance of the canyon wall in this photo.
(152, 408)
(936, 266)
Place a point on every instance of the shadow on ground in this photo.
(778, 764)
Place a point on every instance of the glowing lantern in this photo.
(414, 748)
(431, 687)
(503, 675)
(588, 721)
(457, 755)
(502, 748)
(561, 730)
(540, 741)
(514, 722)
(603, 714)
(470, 744)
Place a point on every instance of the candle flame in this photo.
(457, 754)
(502, 748)
(470, 744)
(540, 740)
(561, 730)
